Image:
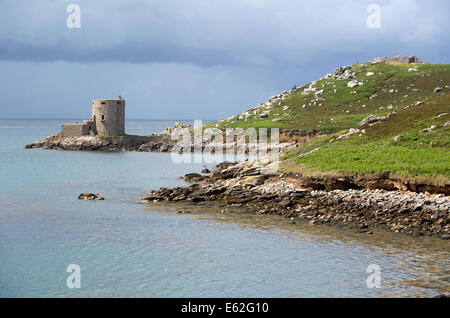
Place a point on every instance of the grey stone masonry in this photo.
(108, 119)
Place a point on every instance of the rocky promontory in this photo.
(159, 142)
(156, 142)
(362, 208)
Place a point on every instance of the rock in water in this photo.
(90, 196)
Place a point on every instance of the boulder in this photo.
(193, 177)
(318, 95)
(178, 126)
(351, 132)
(429, 129)
(352, 84)
(372, 120)
(343, 73)
(90, 196)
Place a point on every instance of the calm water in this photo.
(125, 248)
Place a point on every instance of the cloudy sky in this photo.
(195, 59)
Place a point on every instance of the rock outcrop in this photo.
(373, 120)
(151, 143)
(160, 143)
(343, 73)
(177, 127)
(156, 142)
(342, 202)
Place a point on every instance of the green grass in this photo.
(372, 158)
(342, 110)
(414, 155)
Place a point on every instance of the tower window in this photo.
(103, 117)
(103, 103)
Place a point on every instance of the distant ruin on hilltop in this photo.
(399, 59)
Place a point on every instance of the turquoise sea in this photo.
(128, 249)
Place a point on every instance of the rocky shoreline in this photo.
(152, 143)
(362, 204)
(156, 142)
(245, 185)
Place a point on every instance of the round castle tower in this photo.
(109, 116)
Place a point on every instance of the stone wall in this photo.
(399, 59)
(91, 126)
(69, 130)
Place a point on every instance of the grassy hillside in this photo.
(400, 144)
(344, 107)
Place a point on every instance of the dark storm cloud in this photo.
(214, 32)
(195, 58)
(129, 53)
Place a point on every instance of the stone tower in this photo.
(108, 119)
(109, 116)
